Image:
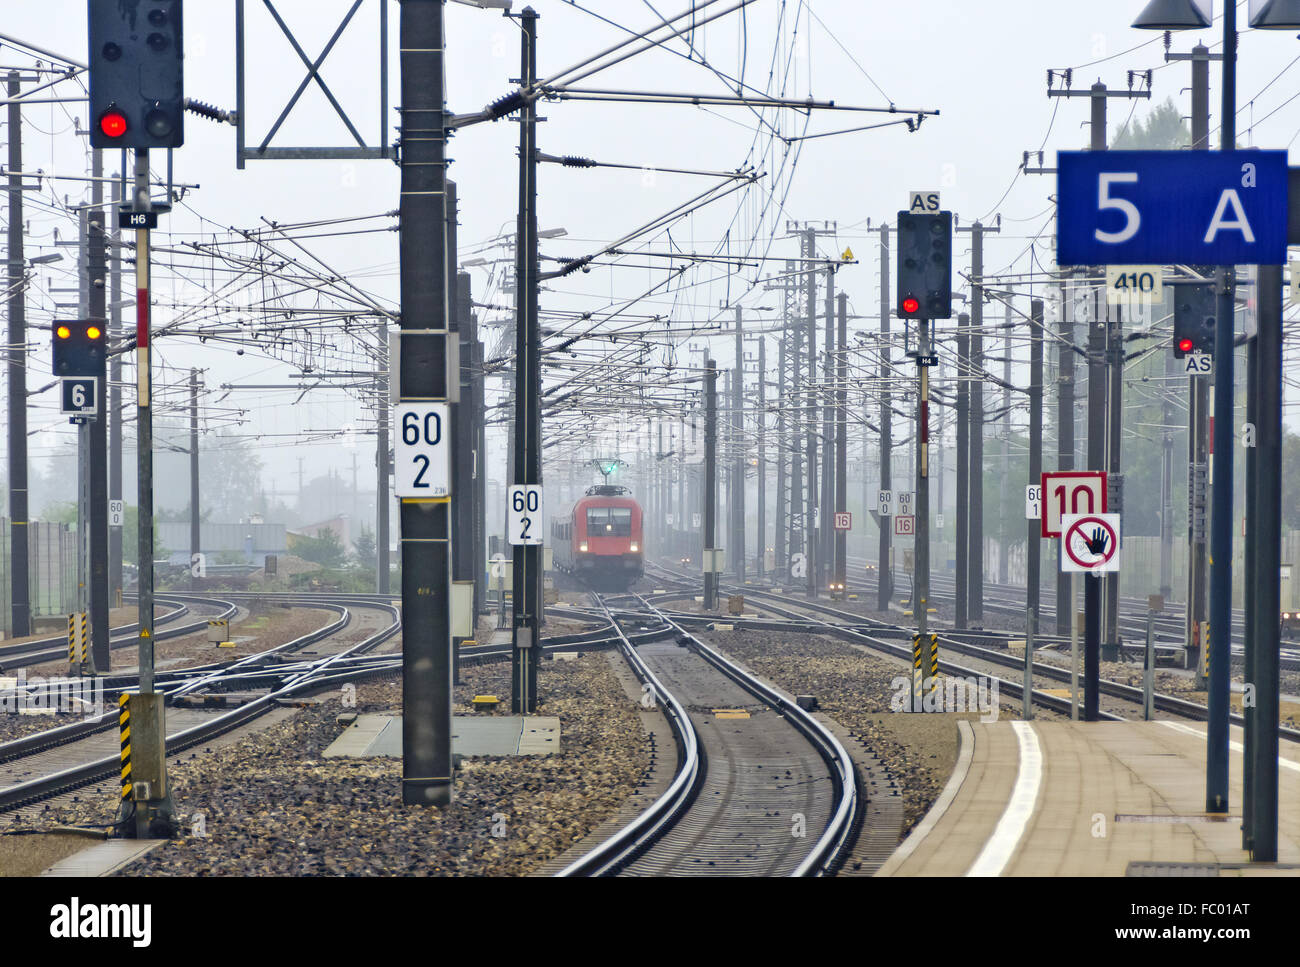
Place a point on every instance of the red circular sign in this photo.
(1076, 530)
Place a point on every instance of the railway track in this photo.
(881, 636)
(761, 787)
(39, 767)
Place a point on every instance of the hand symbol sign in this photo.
(1098, 542)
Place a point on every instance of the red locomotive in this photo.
(601, 540)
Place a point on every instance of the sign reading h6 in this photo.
(1071, 492)
(422, 451)
(1167, 207)
(524, 514)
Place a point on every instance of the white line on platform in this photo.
(1234, 746)
(1010, 829)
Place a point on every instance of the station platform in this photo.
(1091, 799)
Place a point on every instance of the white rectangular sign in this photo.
(1071, 492)
(905, 502)
(1198, 364)
(422, 450)
(1293, 284)
(885, 503)
(923, 203)
(1034, 502)
(116, 513)
(525, 511)
(1134, 285)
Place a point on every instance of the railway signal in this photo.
(925, 265)
(78, 347)
(136, 60)
(1194, 319)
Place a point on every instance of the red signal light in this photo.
(113, 123)
(911, 305)
(1185, 345)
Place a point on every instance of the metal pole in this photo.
(425, 526)
(381, 466)
(1197, 608)
(826, 541)
(921, 555)
(963, 469)
(1221, 520)
(1064, 448)
(97, 430)
(1033, 538)
(1098, 332)
(884, 574)
(114, 400)
(144, 427)
(196, 542)
(1149, 670)
(738, 456)
(20, 623)
(781, 556)
(1266, 594)
(1115, 480)
(975, 570)
(526, 643)
(762, 458)
(1004, 525)
(1250, 627)
(842, 443)
(710, 482)
(1074, 647)
(808, 418)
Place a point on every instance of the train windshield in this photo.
(609, 522)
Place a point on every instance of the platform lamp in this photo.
(1275, 14)
(1176, 15)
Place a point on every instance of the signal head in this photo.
(113, 123)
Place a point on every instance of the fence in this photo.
(52, 570)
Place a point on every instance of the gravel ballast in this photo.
(270, 805)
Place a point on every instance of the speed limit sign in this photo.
(524, 514)
(422, 451)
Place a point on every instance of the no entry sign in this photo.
(1090, 542)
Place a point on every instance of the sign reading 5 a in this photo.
(1169, 207)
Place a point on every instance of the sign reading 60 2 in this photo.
(422, 451)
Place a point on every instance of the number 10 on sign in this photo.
(422, 450)
(524, 514)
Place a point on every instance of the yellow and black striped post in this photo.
(916, 674)
(124, 728)
(934, 662)
(72, 644)
(84, 644)
(1205, 656)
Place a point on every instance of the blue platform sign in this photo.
(1172, 207)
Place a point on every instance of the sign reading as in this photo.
(1172, 207)
(422, 451)
(1198, 364)
(1071, 492)
(524, 514)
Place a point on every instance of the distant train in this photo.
(601, 540)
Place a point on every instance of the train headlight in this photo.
(1286, 616)
(635, 547)
(583, 547)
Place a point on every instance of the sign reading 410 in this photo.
(1172, 207)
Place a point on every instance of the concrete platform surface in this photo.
(1092, 799)
(381, 735)
(102, 858)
